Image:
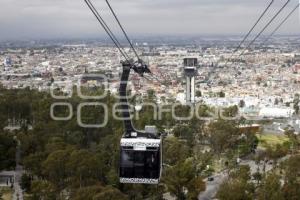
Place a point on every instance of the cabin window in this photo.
(140, 164)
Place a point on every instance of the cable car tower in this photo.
(140, 151)
(190, 71)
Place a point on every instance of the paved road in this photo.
(261, 167)
(18, 194)
(213, 186)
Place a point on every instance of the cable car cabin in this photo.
(141, 160)
(141, 157)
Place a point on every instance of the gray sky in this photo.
(27, 19)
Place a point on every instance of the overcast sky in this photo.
(28, 19)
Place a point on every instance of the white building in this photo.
(273, 112)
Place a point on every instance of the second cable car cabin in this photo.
(141, 159)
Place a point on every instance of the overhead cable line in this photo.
(123, 30)
(251, 30)
(259, 19)
(268, 24)
(107, 30)
(279, 26)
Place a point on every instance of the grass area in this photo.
(271, 140)
(7, 193)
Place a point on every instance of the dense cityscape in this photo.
(259, 90)
(265, 78)
(173, 100)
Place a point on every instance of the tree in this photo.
(231, 111)
(173, 146)
(198, 94)
(26, 182)
(294, 139)
(55, 169)
(108, 156)
(221, 94)
(110, 193)
(151, 95)
(136, 191)
(291, 187)
(202, 160)
(296, 103)
(242, 173)
(222, 135)
(7, 151)
(237, 186)
(61, 158)
(1, 194)
(296, 107)
(98, 192)
(157, 192)
(203, 111)
(55, 144)
(242, 103)
(258, 177)
(43, 190)
(271, 188)
(183, 132)
(83, 167)
(234, 189)
(279, 152)
(196, 186)
(181, 181)
(33, 163)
